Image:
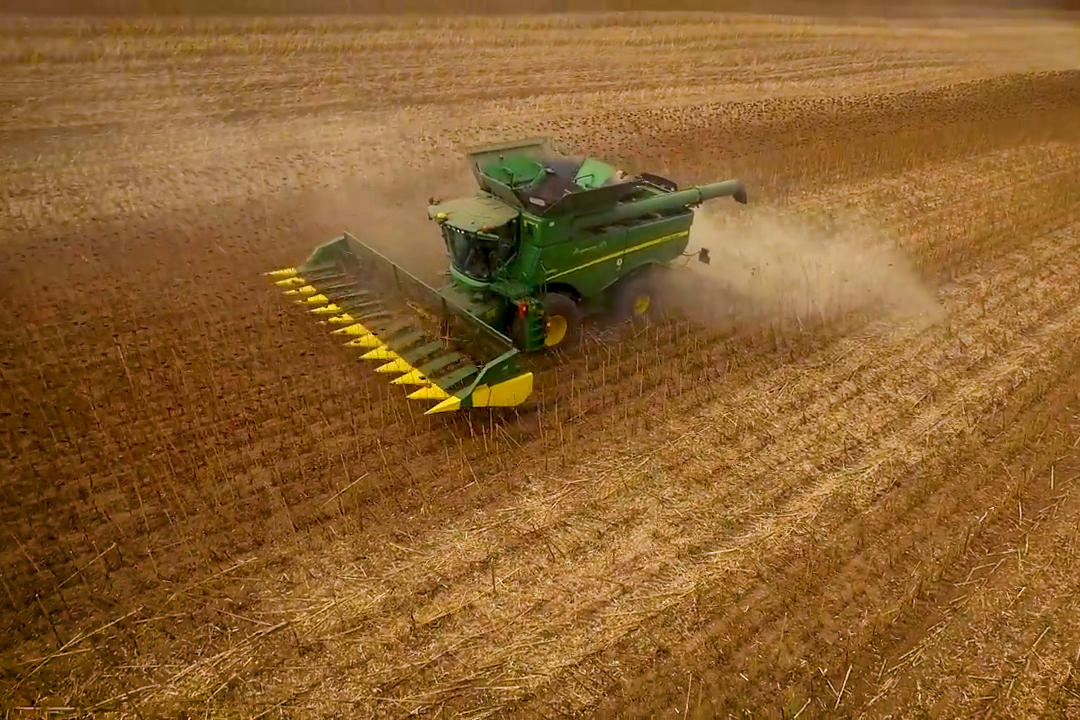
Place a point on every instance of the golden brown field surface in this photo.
(211, 509)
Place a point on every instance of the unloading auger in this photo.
(547, 240)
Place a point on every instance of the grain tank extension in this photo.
(547, 240)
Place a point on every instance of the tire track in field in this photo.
(870, 565)
(902, 453)
(975, 639)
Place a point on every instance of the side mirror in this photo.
(703, 256)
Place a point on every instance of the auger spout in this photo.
(666, 201)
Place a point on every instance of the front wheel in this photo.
(562, 321)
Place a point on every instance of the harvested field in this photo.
(210, 508)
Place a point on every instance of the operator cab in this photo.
(481, 254)
(481, 235)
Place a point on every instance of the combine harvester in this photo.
(547, 240)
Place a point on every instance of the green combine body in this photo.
(547, 240)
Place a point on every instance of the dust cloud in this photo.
(388, 211)
(788, 270)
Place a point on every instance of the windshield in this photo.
(480, 255)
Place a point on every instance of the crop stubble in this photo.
(699, 514)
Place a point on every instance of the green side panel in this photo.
(664, 242)
(593, 260)
(588, 261)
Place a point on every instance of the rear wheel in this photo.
(635, 299)
(562, 321)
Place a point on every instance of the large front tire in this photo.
(562, 321)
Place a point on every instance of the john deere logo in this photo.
(599, 246)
